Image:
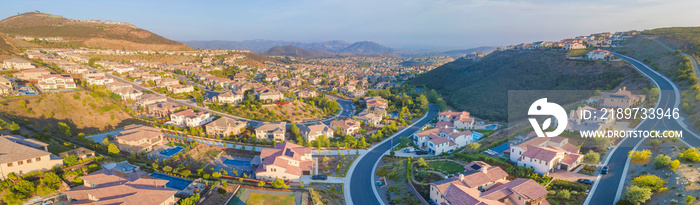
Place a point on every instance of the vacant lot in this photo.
(81, 111)
(264, 199)
(162, 58)
(294, 111)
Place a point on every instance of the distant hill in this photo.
(463, 52)
(367, 48)
(482, 87)
(89, 34)
(684, 38)
(259, 45)
(292, 51)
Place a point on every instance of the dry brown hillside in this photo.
(85, 33)
(82, 111)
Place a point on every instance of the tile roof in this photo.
(138, 132)
(11, 151)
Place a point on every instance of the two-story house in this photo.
(20, 156)
(271, 131)
(230, 97)
(457, 120)
(347, 126)
(138, 138)
(546, 154)
(225, 126)
(311, 132)
(286, 161)
(190, 118)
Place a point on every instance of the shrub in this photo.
(690, 155)
(639, 156)
(591, 157)
(637, 195)
(563, 184)
(662, 161)
(648, 181)
(564, 194)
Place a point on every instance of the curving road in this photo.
(617, 161)
(361, 182)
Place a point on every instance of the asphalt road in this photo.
(606, 189)
(362, 178)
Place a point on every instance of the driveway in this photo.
(570, 176)
(340, 180)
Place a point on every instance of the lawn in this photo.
(55, 149)
(256, 198)
(448, 167)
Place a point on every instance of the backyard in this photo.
(264, 199)
(447, 167)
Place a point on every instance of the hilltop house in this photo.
(286, 161)
(457, 120)
(189, 118)
(597, 120)
(546, 154)
(138, 138)
(483, 184)
(438, 140)
(56, 81)
(347, 126)
(128, 93)
(311, 132)
(20, 156)
(598, 55)
(225, 126)
(271, 131)
(148, 99)
(17, 64)
(32, 74)
(573, 45)
(370, 119)
(7, 86)
(269, 94)
(620, 99)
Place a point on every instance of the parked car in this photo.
(604, 170)
(421, 152)
(319, 177)
(408, 149)
(585, 181)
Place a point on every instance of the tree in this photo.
(564, 194)
(473, 146)
(167, 169)
(279, 183)
(216, 175)
(26, 188)
(637, 195)
(392, 153)
(421, 162)
(294, 130)
(113, 149)
(105, 141)
(261, 183)
(70, 160)
(51, 180)
(591, 157)
(652, 182)
(245, 175)
(689, 199)
(185, 173)
(662, 161)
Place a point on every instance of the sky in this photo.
(417, 24)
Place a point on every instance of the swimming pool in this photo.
(173, 182)
(171, 151)
(476, 136)
(238, 163)
(491, 127)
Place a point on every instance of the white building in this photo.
(99, 80)
(598, 54)
(457, 120)
(189, 118)
(17, 63)
(573, 45)
(440, 140)
(546, 154)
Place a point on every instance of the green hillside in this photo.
(482, 87)
(686, 38)
(89, 34)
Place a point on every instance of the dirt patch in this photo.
(128, 45)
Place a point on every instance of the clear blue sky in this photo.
(397, 23)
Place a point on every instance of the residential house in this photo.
(189, 118)
(347, 126)
(589, 119)
(163, 82)
(32, 74)
(7, 86)
(458, 120)
(440, 140)
(56, 81)
(306, 93)
(128, 93)
(163, 110)
(20, 156)
(271, 77)
(311, 132)
(368, 118)
(269, 94)
(271, 131)
(17, 64)
(148, 99)
(546, 154)
(177, 88)
(99, 80)
(121, 69)
(80, 153)
(487, 185)
(573, 45)
(225, 126)
(286, 161)
(116, 187)
(620, 99)
(230, 97)
(138, 138)
(598, 55)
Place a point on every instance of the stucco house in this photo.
(225, 126)
(440, 140)
(271, 131)
(190, 118)
(623, 98)
(138, 138)
(311, 132)
(347, 126)
(458, 120)
(286, 161)
(546, 154)
(20, 156)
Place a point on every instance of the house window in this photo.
(9, 164)
(29, 161)
(20, 162)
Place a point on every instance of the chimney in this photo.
(461, 177)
